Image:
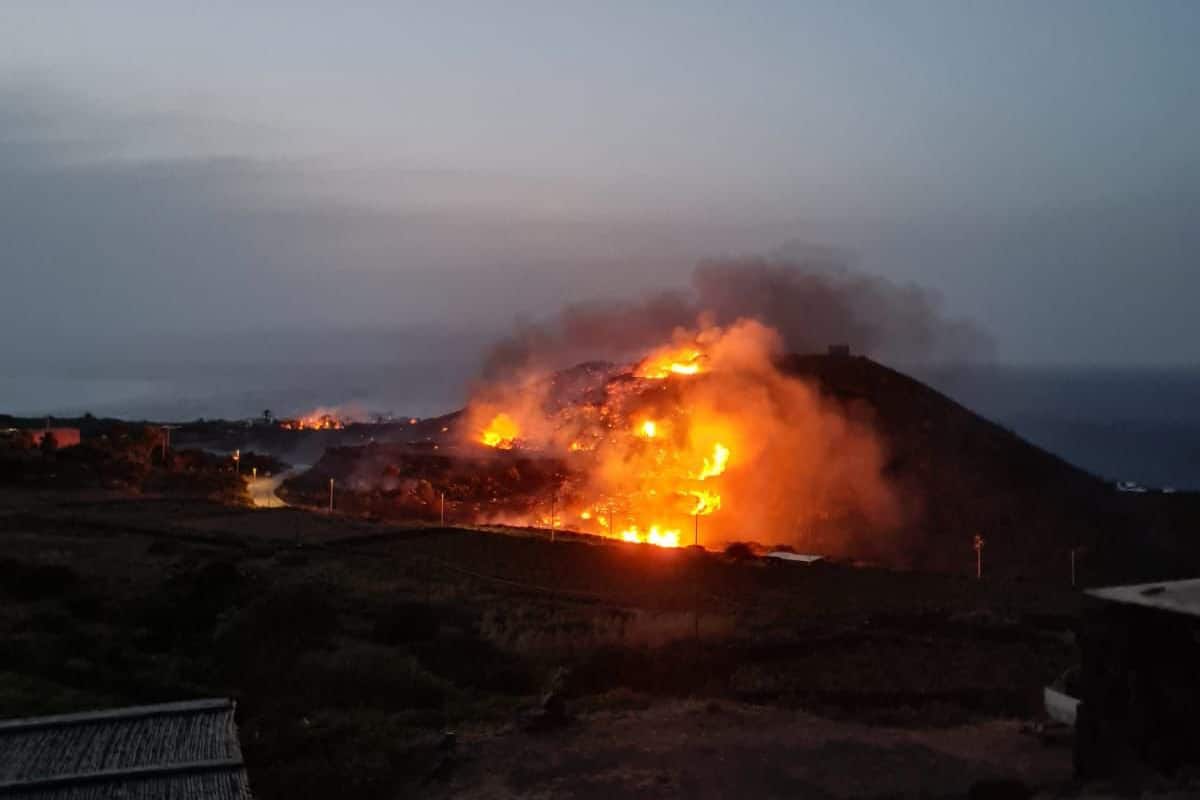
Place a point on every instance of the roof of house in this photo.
(173, 750)
(1181, 597)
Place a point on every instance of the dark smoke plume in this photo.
(811, 302)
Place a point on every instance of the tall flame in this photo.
(716, 465)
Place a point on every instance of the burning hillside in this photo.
(702, 440)
(711, 433)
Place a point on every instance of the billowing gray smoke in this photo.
(811, 302)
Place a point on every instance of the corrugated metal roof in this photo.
(173, 750)
(1180, 597)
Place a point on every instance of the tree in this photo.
(267, 416)
(49, 443)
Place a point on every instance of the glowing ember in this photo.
(501, 432)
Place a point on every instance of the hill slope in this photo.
(961, 475)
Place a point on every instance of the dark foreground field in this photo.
(353, 649)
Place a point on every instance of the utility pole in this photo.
(978, 545)
(553, 509)
(443, 509)
(331, 495)
(696, 531)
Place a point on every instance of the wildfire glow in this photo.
(735, 448)
(501, 432)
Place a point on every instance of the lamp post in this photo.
(978, 544)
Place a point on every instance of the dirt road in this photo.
(262, 490)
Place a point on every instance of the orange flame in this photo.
(715, 466)
(668, 361)
(501, 432)
(654, 535)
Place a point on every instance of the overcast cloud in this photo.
(386, 185)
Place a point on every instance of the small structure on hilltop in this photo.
(174, 750)
(1139, 682)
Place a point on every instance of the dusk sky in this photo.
(189, 172)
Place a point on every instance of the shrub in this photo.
(28, 582)
(406, 622)
(739, 551)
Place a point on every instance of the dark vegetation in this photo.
(306, 446)
(403, 481)
(353, 655)
(119, 456)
